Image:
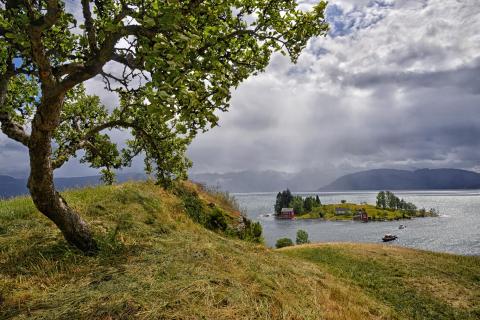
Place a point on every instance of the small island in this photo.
(388, 207)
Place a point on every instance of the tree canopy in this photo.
(300, 205)
(171, 64)
(388, 200)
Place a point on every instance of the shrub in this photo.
(192, 204)
(284, 242)
(215, 220)
(302, 237)
(252, 231)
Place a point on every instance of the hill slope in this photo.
(156, 263)
(390, 179)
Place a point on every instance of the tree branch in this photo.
(49, 19)
(38, 50)
(90, 28)
(9, 127)
(95, 65)
(68, 68)
(83, 142)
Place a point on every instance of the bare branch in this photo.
(128, 60)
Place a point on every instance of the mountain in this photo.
(391, 179)
(264, 181)
(11, 187)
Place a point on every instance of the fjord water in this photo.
(456, 230)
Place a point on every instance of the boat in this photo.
(389, 237)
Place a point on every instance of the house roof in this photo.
(287, 209)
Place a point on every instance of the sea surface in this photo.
(456, 230)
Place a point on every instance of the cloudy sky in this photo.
(394, 85)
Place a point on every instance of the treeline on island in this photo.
(388, 200)
(388, 207)
(300, 205)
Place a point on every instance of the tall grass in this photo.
(156, 262)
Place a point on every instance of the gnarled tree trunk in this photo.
(42, 189)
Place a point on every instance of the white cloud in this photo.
(401, 71)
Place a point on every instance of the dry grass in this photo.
(155, 263)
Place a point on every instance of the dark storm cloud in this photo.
(11, 146)
(13, 157)
(463, 78)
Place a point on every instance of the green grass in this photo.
(156, 262)
(415, 284)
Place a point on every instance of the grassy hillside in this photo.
(157, 263)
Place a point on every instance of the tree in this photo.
(278, 203)
(297, 205)
(302, 237)
(283, 242)
(283, 200)
(381, 202)
(309, 204)
(171, 64)
(317, 201)
(391, 200)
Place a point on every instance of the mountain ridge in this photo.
(12, 187)
(395, 179)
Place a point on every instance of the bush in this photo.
(284, 242)
(302, 237)
(192, 204)
(251, 232)
(216, 220)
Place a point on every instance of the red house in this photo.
(361, 215)
(286, 213)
